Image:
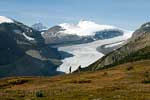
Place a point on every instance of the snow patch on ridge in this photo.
(114, 44)
(27, 37)
(127, 34)
(4, 19)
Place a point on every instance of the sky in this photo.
(127, 14)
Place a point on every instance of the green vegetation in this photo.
(39, 94)
(147, 78)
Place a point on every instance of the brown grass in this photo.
(117, 83)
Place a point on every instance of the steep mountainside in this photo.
(54, 36)
(23, 51)
(137, 48)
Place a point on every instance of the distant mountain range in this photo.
(83, 32)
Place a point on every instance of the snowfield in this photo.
(84, 54)
(4, 19)
(86, 28)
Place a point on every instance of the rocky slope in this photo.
(54, 36)
(137, 48)
(23, 51)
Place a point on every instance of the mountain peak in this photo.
(84, 28)
(39, 26)
(142, 31)
(4, 19)
(146, 25)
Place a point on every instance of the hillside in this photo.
(129, 81)
(137, 48)
(23, 51)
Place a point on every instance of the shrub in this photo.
(146, 81)
(105, 74)
(147, 78)
(17, 81)
(84, 81)
(78, 81)
(39, 94)
(129, 68)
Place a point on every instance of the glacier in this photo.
(86, 54)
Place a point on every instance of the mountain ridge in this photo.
(18, 44)
(137, 48)
(83, 32)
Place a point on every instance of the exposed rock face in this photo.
(39, 27)
(23, 52)
(56, 35)
(14, 43)
(137, 48)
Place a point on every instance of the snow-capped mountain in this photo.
(21, 33)
(23, 50)
(84, 28)
(4, 19)
(83, 32)
(15, 38)
(39, 27)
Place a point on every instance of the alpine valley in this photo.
(107, 62)
(27, 51)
